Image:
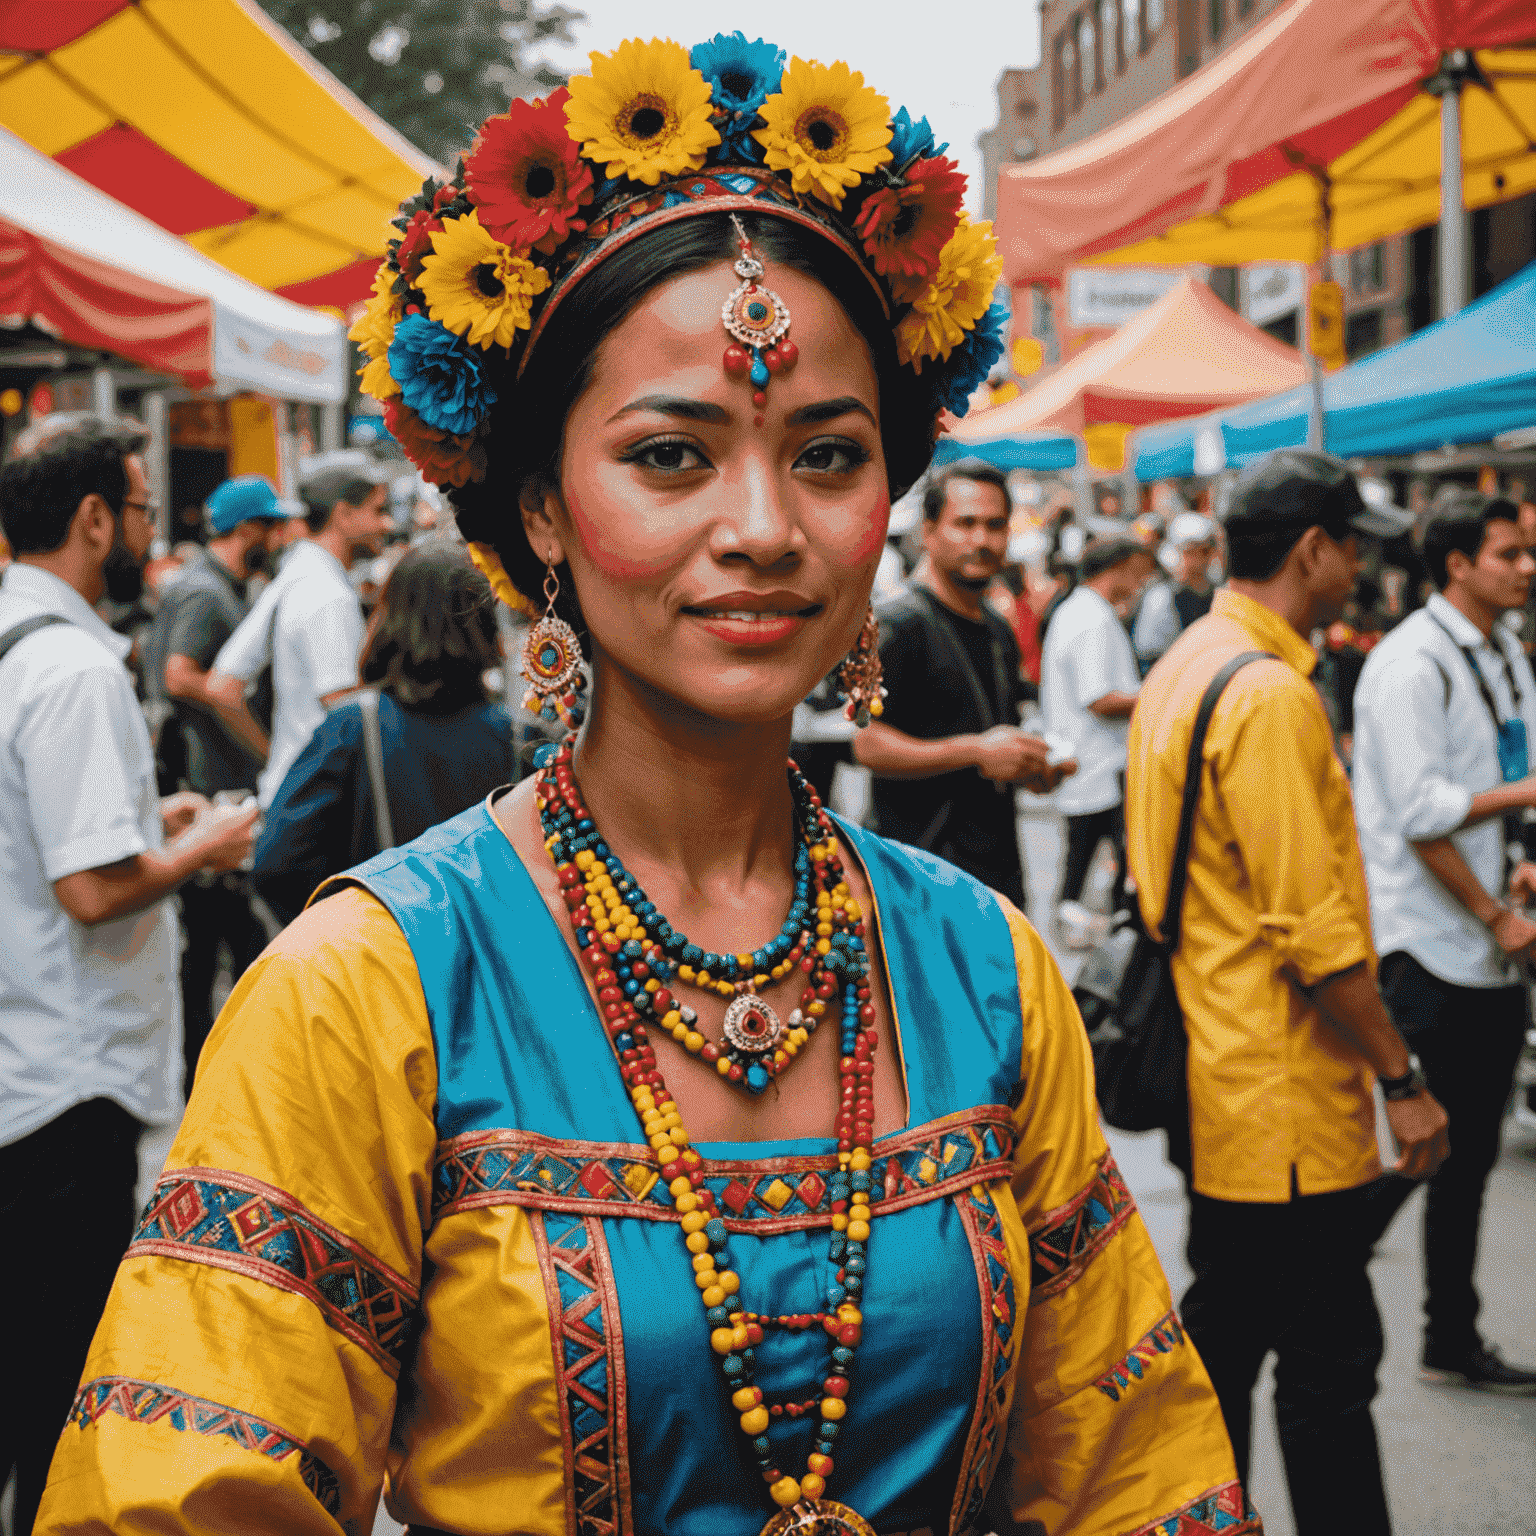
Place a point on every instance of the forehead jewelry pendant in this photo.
(758, 320)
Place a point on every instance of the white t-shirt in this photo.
(1087, 654)
(308, 627)
(85, 1013)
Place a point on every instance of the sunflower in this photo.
(957, 296)
(526, 177)
(373, 332)
(475, 286)
(906, 228)
(826, 128)
(644, 110)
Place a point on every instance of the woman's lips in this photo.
(755, 625)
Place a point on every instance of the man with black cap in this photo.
(225, 745)
(1275, 974)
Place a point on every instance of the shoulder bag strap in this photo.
(1194, 772)
(373, 753)
(19, 632)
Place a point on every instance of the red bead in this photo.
(735, 1074)
(789, 355)
(710, 1052)
(773, 360)
(609, 995)
(736, 362)
(662, 1000)
(759, 397)
(754, 1334)
(849, 1334)
(827, 989)
(592, 954)
(835, 1386)
(867, 1016)
(639, 970)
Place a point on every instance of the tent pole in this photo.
(1317, 423)
(1455, 70)
(157, 463)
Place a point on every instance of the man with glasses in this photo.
(90, 1019)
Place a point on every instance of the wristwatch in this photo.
(1408, 1086)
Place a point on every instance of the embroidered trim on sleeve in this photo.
(1223, 1509)
(1163, 1338)
(1062, 1248)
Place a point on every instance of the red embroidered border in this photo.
(1069, 1237)
(1224, 1510)
(1162, 1338)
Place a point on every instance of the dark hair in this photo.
(1274, 500)
(527, 423)
(321, 492)
(437, 637)
(1105, 554)
(936, 492)
(53, 466)
(1458, 520)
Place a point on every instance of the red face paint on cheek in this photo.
(870, 531)
(624, 542)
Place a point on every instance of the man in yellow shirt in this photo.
(1275, 974)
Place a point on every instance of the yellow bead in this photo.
(876, 709)
(640, 934)
(621, 932)
(816, 1009)
(759, 981)
(671, 1019)
(686, 972)
(854, 911)
(779, 1058)
(848, 1313)
(755, 1420)
(703, 978)
(744, 961)
(824, 930)
(697, 1242)
(680, 1031)
(714, 1296)
(785, 1492)
(743, 1338)
(659, 1139)
(707, 1280)
(790, 1047)
(858, 1231)
(653, 985)
(812, 1486)
(859, 1197)
(722, 1341)
(723, 1066)
(679, 1136)
(819, 1464)
(725, 988)
(601, 923)
(667, 1154)
(833, 1408)
(682, 1187)
(860, 1160)
(839, 1222)
(584, 859)
(693, 1041)
(701, 1262)
(746, 1397)
(694, 1221)
(823, 946)
(730, 1282)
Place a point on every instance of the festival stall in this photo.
(207, 119)
(1467, 379)
(1043, 452)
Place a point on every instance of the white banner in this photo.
(1113, 295)
(1272, 289)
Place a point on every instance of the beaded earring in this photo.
(859, 676)
(551, 663)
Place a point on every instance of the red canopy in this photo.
(1187, 354)
(1301, 89)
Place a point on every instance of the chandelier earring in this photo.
(859, 676)
(552, 663)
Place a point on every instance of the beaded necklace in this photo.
(617, 946)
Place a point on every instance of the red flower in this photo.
(526, 175)
(905, 229)
(442, 458)
(415, 243)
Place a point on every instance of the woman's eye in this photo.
(836, 456)
(669, 457)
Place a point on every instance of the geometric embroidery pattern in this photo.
(984, 1227)
(147, 1402)
(210, 1216)
(1165, 1336)
(1062, 1248)
(1223, 1509)
(510, 1167)
(589, 1365)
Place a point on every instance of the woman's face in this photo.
(726, 565)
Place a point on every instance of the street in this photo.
(1454, 1461)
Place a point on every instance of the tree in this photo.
(432, 69)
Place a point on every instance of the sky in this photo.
(939, 60)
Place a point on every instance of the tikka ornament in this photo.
(552, 663)
(759, 320)
(858, 678)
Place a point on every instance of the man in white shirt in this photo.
(307, 626)
(1088, 686)
(1445, 713)
(90, 1019)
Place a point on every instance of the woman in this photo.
(443, 744)
(486, 1186)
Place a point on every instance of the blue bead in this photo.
(600, 851)
(757, 1078)
(715, 1231)
(692, 954)
(842, 1356)
(861, 1180)
(836, 1296)
(855, 1263)
(854, 1285)
(759, 371)
(718, 1317)
(732, 1365)
(548, 712)
(624, 1042)
(542, 754)
(632, 949)
(826, 1431)
(748, 1359)
(836, 1245)
(761, 1446)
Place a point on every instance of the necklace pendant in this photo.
(818, 1517)
(752, 1026)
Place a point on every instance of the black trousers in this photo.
(66, 1206)
(1292, 1279)
(1084, 834)
(218, 910)
(1469, 1040)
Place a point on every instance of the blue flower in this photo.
(971, 362)
(741, 75)
(911, 140)
(439, 377)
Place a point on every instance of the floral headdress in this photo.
(656, 133)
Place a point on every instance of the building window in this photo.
(1218, 18)
(1131, 29)
(1367, 269)
(1362, 334)
(1109, 36)
(1087, 55)
(1154, 17)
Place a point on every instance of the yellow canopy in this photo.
(206, 117)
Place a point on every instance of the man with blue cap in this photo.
(225, 745)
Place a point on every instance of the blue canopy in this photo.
(1462, 380)
(1027, 450)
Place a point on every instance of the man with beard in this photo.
(948, 750)
(225, 746)
(89, 1017)
(1274, 971)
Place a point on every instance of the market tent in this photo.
(1041, 451)
(205, 117)
(1464, 380)
(1321, 107)
(1184, 355)
(85, 268)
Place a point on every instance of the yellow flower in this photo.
(644, 110)
(951, 302)
(475, 286)
(373, 332)
(826, 128)
(488, 563)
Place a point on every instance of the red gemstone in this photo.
(835, 1386)
(710, 1051)
(789, 355)
(736, 361)
(662, 1000)
(735, 1074)
(773, 360)
(759, 397)
(849, 1334)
